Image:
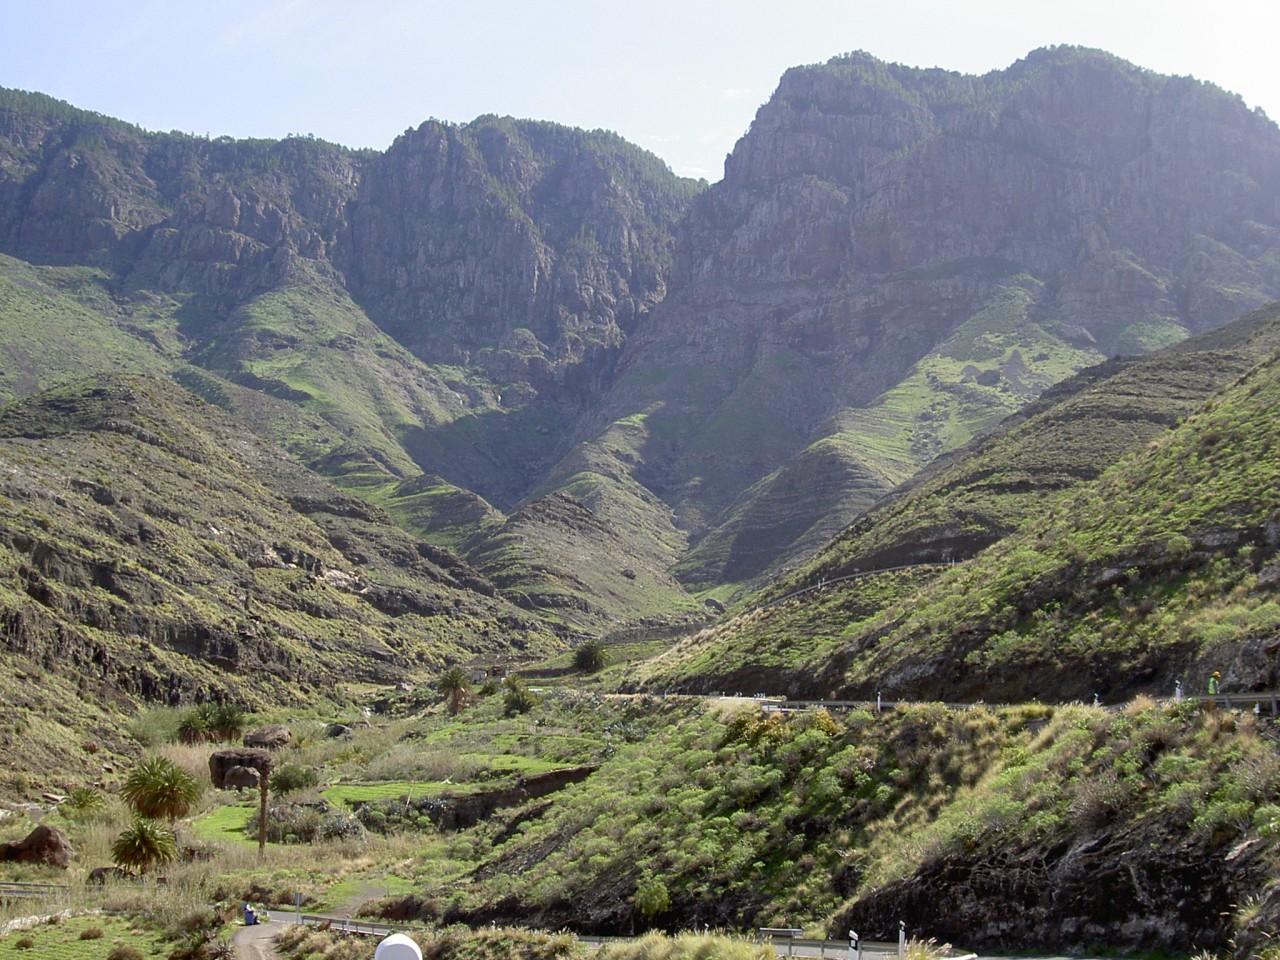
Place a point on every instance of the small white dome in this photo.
(397, 947)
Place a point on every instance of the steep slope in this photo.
(973, 378)
(1068, 829)
(873, 210)
(964, 503)
(1162, 569)
(154, 548)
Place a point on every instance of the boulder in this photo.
(223, 762)
(335, 730)
(101, 875)
(273, 736)
(241, 777)
(46, 845)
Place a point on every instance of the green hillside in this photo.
(996, 826)
(962, 504)
(154, 549)
(988, 368)
(1160, 569)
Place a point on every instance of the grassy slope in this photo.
(136, 519)
(989, 367)
(307, 342)
(593, 545)
(303, 366)
(968, 501)
(54, 326)
(748, 820)
(1162, 568)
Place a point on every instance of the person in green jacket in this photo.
(1213, 683)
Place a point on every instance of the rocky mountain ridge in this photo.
(895, 259)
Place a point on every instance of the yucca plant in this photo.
(160, 788)
(144, 844)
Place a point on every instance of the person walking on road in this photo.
(1213, 683)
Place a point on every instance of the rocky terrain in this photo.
(724, 376)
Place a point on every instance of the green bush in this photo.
(591, 657)
(294, 776)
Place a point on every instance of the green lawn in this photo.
(227, 824)
(61, 940)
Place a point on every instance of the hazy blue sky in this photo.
(680, 77)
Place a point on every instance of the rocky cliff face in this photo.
(872, 209)
(522, 248)
(963, 241)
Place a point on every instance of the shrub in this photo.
(296, 823)
(84, 803)
(91, 933)
(591, 657)
(126, 951)
(518, 698)
(26, 943)
(294, 776)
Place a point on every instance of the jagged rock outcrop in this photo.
(873, 208)
(524, 248)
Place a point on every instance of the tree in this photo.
(652, 896)
(210, 723)
(591, 657)
(194, 725)
(517, 698)
(455, 686)
(226, 722)
(143, 845)
(159, 788)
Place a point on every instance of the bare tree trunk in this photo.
(262, 814)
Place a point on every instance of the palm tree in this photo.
(455, 685)
(591, 657)
(159, 788)
(143, 844)
(226, 722)
(518, 698)
(194, 725)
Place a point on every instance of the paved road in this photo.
(257, 942)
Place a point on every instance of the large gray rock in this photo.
(224, 761)
(273, 736)
(241, 777)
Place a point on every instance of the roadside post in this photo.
(902, 940)
(855, 946)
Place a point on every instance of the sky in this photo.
(682, 78)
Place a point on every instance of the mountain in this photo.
(153, 549)
(896, 258)
(1065, 554)
(608, 388)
